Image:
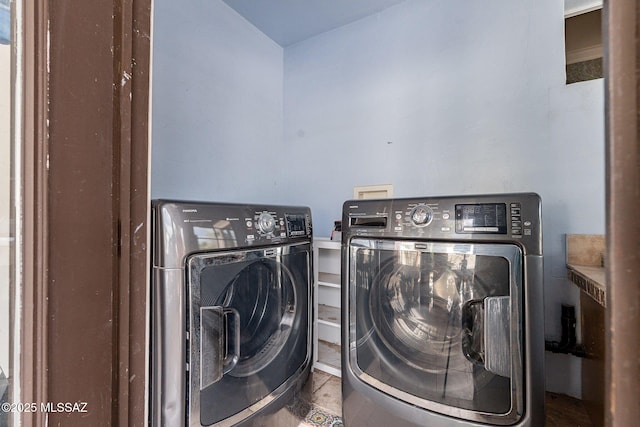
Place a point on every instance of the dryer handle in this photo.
(486, 326)
(219, 343)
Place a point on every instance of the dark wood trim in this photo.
(133, 28)
(139, 226)
(83, 222)
(622, 97)
(33, 355)
(85, 172)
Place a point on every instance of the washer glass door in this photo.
(438, 325)
(249, 329)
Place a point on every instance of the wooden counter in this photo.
(585, 264)
(585, 267)
(591, 280)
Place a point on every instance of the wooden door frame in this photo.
(622, 318)
(86, 79)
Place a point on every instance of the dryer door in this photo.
(438, 325)
(249, 329)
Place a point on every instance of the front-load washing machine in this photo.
(231, 311)
(443, 312)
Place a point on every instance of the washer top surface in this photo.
(184, 227)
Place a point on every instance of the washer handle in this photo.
(232, 338)
(486, 326)
(473, 331)
(219, 343)
(497, 340)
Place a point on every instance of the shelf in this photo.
(328, 358)
(329, 327)
(329, 315)
(327, 323)
(325, 243)
(329, 279)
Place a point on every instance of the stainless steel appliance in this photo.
(443, 312)
(231, 322)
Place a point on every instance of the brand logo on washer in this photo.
(189, 210)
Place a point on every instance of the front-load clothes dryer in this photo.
(231, 311)
(443, 312)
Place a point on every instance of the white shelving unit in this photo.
(326, 322)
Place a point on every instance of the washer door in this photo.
(249, 329)
(438, 325)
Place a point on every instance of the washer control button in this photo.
(421, 215)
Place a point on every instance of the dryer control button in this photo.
(266, 223)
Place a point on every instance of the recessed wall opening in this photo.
(583, 46)
(383, 191)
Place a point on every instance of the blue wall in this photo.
(438, 99)
(433, 97)
(216, 105)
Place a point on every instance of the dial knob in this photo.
(421, 215)
(266, 222)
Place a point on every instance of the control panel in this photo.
(275, 224)
(515, 217)
(209, 226)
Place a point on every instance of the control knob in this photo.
(421, 215)
(266, 223)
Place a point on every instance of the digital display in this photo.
(482, 218)
(296, 225)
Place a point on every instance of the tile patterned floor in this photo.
(321, 402)
(318, 417)
(321, 405)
